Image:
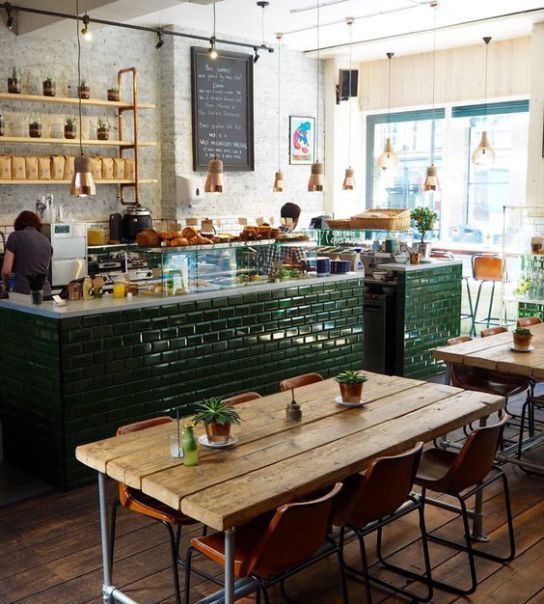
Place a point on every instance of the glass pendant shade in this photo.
(214, 179)
(484, 154)
(82, 183)
(317, 180)
(431, 181)
(278, 182)
(388, 158)
(349, 181)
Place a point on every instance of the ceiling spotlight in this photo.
(85, 31)
(212, 52)
(10, 21)
(257, 55)
(160, 41)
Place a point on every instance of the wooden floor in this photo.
(49, 553)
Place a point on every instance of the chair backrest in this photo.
(475, 460)
(146, 423)
(528, 321)
(300, 380)
(458, 340)
(492, 331)
(382, 489)
(295, 533)
(456, 370)
(487, 267)
(242, 398)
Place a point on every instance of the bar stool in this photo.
(300, 380)
(485, 268)
(244, 397)
(462, 475)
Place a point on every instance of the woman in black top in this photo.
(27, 251)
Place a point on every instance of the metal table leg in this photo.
(477, 523)
(107, 587)
(229, 566)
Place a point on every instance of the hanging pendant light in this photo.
(317, 180)
(214, 178)
(82, 184)
(431, 180)
(349, 181)
(484, 154)
(388, 159)
(278, 177)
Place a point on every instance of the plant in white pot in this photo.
(217, 416)
(424, 221)
(351, 385)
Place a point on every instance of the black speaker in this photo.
(344, 89)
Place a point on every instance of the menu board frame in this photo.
(199, 55)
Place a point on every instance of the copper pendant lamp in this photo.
(388, 159)
(484, 155)
(278, 177)
(349, 180)
(431, 180)
(316, 183)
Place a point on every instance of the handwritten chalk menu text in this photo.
(222, 103)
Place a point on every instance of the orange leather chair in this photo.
(300, 380)
(462, 475)
(370, 501)
(136, 501)
(528, 321)
(243, 398)
(269, 549)
(492, 331)
(486, 268)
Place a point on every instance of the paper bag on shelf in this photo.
(68, 167)
(57, 167)
(107, 168)
(96, 167)
(18, 168)
(5, 167)
(130, 169)
(118, 168)
(44, 168)
(31, 168)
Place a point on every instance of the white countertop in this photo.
(405, 268)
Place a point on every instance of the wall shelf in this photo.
(67, 182)
(74, 141)
(66, 100)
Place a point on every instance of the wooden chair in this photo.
(243, 398)
(462, 475)
(458, 340)
(492, 331)
(528, 321)
(300, 380)
(140, 503)
(373, 500)
(268, 550)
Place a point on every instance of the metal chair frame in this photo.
(489, 320)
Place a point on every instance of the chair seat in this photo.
(433, 467)
(135, 500)
(487, 381)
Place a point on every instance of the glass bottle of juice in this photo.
(188, 443)
(87, 286)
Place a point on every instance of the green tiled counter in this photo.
(69, 379)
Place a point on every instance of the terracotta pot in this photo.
(218, 433)
(351, 393)
(523, 342)
(69, 132)
(84, 92)
(49, 88)
(415, 258)
(113, 95)
(102, 134)
(14, 86)
(35, 130)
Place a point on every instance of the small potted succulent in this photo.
(49, 86)
(424, 221)
(35, 127)
(70, 128)
(217, 416)
(113, 93)
(351, 385)
(2, 125)
(522, 338)
(84, 89)
(102, 129)
(14, 81)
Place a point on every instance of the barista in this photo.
(27, 251)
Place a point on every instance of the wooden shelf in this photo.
(74, 141)
(66, 100)
(67, 182)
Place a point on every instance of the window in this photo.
(472, 198)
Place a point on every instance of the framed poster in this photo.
(301, 140)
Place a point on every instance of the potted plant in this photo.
(84, 89)
(35, 127)
(113, 93)
(49, 87)
(14, 82)
(70, 128)
(217, 416)
(424, 219)
(522, 338)
(351, 385)
(103, 129)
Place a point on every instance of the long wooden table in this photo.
(276, 461)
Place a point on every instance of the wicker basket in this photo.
(339, 224)
(382, 220)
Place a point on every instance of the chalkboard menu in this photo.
(222, 87)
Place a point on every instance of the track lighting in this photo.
(10, 21)
(212, 51)
(85, 31)
(160, 41)
(257, 55)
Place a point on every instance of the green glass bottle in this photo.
(188, 443)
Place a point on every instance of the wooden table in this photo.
(276, 461)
